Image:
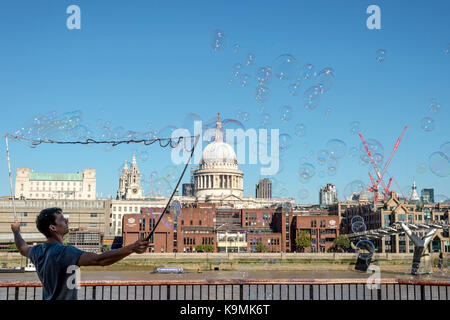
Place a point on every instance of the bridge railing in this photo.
(246, 289)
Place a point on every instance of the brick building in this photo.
(226, 228)
(394, 210)
(322, 228)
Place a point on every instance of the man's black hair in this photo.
(46, 218)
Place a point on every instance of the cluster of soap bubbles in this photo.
(376, 150)
(358, 225)
(439, 161)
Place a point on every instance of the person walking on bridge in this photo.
(55, 262)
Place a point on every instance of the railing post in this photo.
(241, 291)
(422, 292)
(94, 292)
(311, 292)
(379, 292)
(16, 293)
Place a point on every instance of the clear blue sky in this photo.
(139, 62)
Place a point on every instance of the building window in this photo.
(93, 215)
(191, 222)
(93, 225)
(120, 209)
(199, 222)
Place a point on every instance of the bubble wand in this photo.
(174, 190)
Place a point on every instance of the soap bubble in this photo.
(285, 113)
(358, 226)
(355, 127)
(244, 78)
(266, 119)
(261, 94)
(285, 67)
(439, 164)
(427, 124)
(263, 75)
(328, 112)
(300, 130)
(306, 172)
(322, 156)
(421, 168)
(250, 59)
(236, 48)
(237, 69)
(303, 193)
(294, 88)
(374, 147)
(336, 148)
(218, 40)
(435, 106)
(308, 71)
(243, 115)
(445, 148)
(311, 97)
(325, 79)
(285, 142)
(353, 152)
(354, 187)
(381, 55)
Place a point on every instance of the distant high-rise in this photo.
(264, 189)
(427, 195)
(328, 195)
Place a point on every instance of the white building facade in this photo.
(44, 185)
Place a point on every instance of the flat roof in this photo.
(46, 176)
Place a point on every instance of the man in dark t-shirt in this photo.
(56, 264)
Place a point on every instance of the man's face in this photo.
(61, 224)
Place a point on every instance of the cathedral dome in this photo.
(218, 153)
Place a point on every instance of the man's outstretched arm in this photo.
(20, 243)
(110, 257)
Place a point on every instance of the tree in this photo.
(13, 247)
(204, 248)
(260, 247)
(342, 242)
(303, 240)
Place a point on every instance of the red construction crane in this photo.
(374, 187)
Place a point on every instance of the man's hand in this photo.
(140, 246)
(15, 227)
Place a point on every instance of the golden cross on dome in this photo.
(218, 117)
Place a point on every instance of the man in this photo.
(56, 262)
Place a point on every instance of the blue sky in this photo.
(140, 62)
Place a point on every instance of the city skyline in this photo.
(159, 67)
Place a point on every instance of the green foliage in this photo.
(204, 248)
(106, 247)
(303, 240)
(342, 242)
(260, 247)
(13, 247)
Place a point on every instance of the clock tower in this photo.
(130, 182)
